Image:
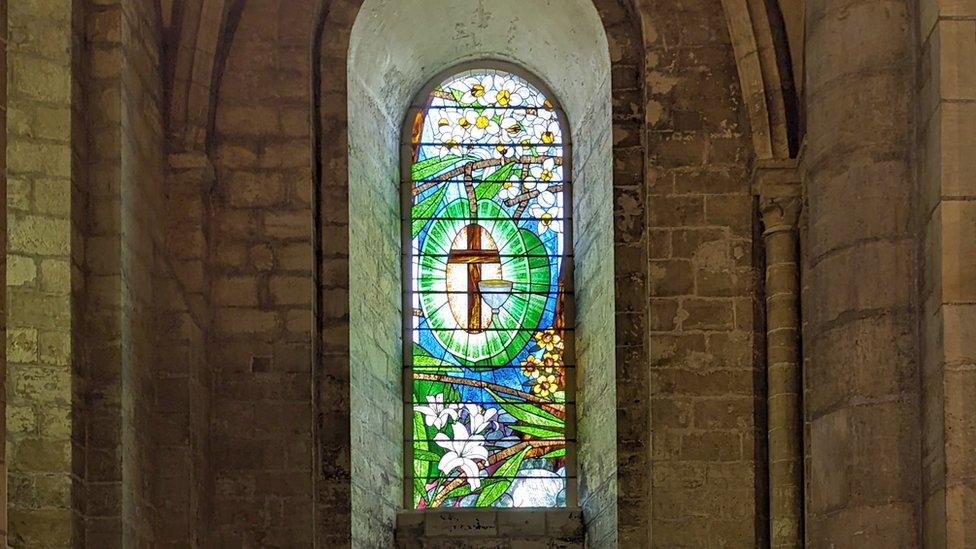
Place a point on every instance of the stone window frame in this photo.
(624, 27)
(417, 104)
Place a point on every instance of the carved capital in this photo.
(780, 214)
(777, 184)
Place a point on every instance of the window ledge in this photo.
(414, 528)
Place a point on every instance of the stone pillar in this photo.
(946, 117)
(39, 235)
(779, 203)
(861, 268)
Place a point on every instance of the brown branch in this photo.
(554, 409)
(493, 459)
(481, 164)
(472, 196)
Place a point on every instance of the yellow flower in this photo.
(504, 97)
(551, 361)
(482, 121)
(530, 366)
(545, 386)
(548, 138)
(548, 339)
(477, 90)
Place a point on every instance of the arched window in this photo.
(489, 392)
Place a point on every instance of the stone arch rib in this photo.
(765, 76)
(204, 32)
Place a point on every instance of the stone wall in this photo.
(260, 260)
(38, 285)
(142, 178)
(122, 238)
(375, 315)
(947, 215)
(704, 348)
(184, 484)
(3, 267)
(495, 528)
(159, 324)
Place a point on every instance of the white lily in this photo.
(436, 413)
(479, 417)
(463, 452)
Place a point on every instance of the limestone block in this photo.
(22, 345)
(30, 235)
(21, 270)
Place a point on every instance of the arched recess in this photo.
(363, 87)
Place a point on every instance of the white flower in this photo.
(506, 92)
(547, 216)
(436, 413)
(546, 132)
(541, 174)
(479, 418)
(463, 451)
(480, 124)
(512, 129)
(476, 89)
(510, 190)
(450, 133)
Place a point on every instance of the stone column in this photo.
(946, 117)
(780, 210)
(861, 268)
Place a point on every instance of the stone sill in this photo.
(564, 524)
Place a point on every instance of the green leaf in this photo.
(433, 166)
(529, 413)
(554, 454)
(496, 488)
(458, 94)
(537, 432)
(426, 363)
(459, 492)
(425, 210)
(420, 468)
(425, 455)
(492, 184)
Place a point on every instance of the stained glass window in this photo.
(489, 387)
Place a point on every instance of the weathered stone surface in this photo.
(168, 280)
